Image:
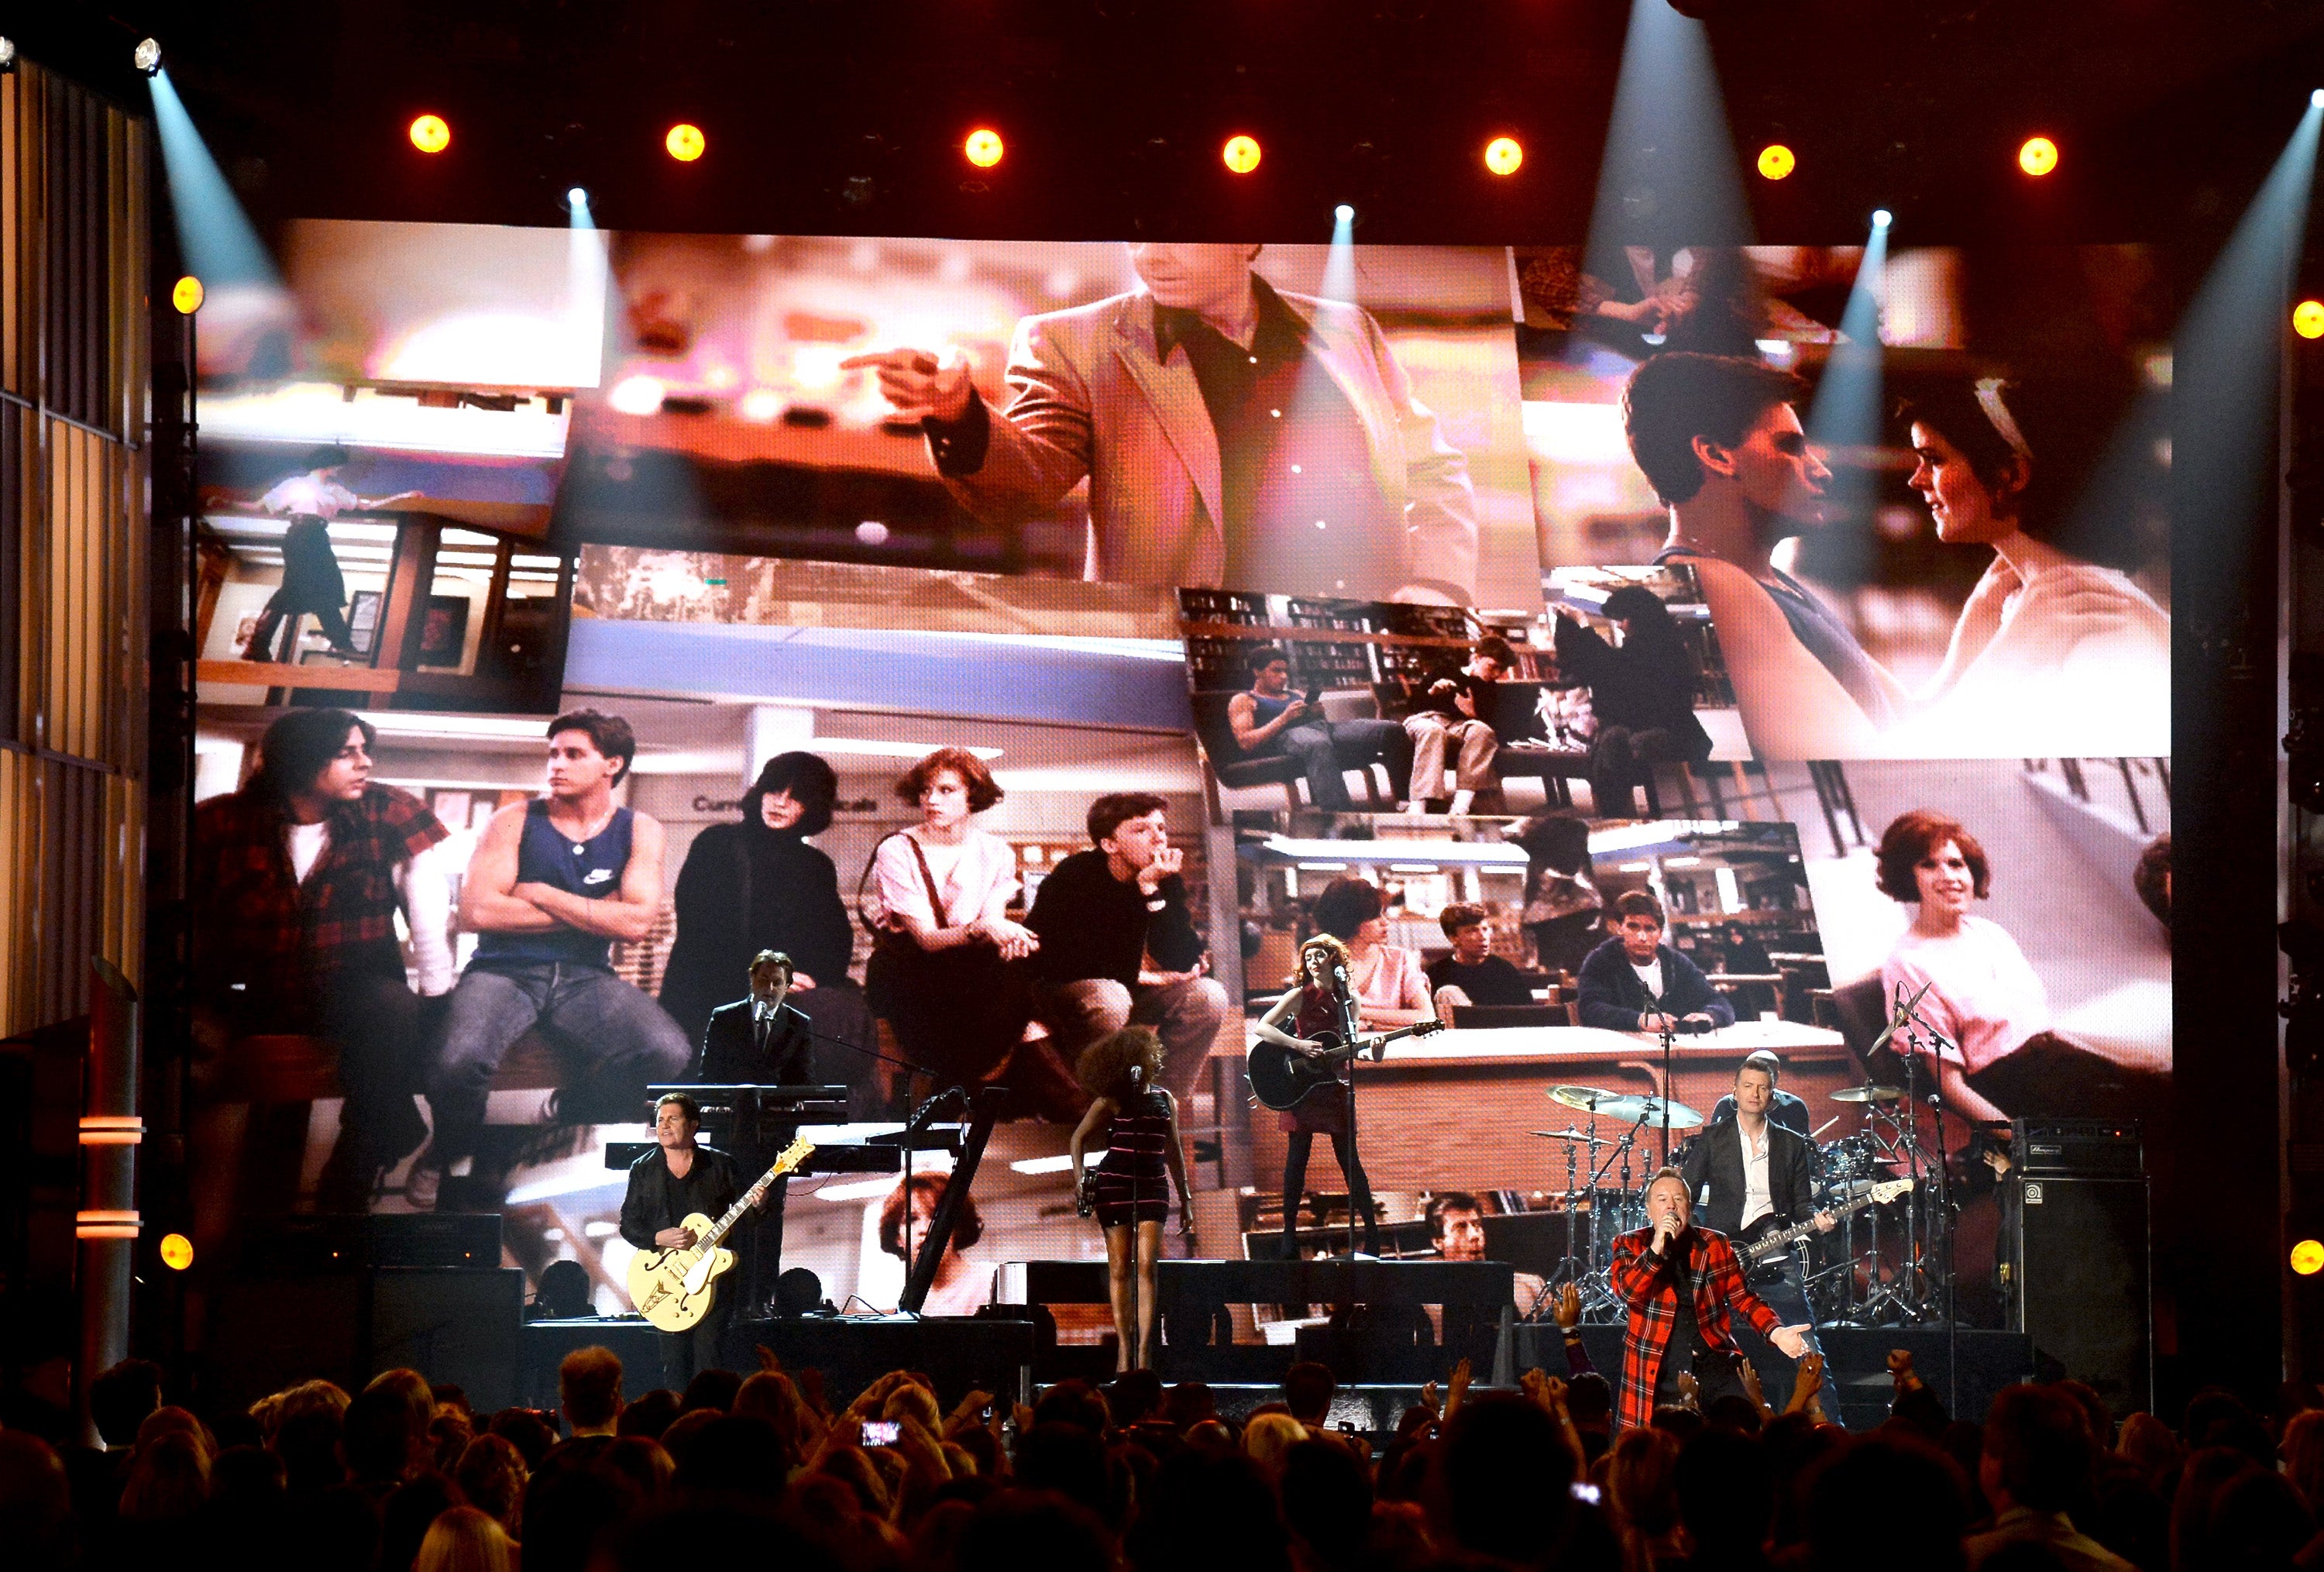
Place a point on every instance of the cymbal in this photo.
(1569, 1134)
(1585, 1098)
(1648, 1111)
(1866, 1094)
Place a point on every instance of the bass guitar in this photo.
(1768, 1250)
(675, 1288)
(1280, 1077)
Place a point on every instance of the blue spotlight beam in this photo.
(215, 237)
(1669, 175)
(2227, 355)
(1846, 416)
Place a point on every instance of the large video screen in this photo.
(1456, 604)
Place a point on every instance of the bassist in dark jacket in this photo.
(1752, 1175)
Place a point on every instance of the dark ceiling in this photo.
(846, 116)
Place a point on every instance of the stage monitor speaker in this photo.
(2075, 1254)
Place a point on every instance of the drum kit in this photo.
(1879, 1268)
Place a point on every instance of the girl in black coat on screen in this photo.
(755, 885)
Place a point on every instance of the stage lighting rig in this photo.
(147, 56)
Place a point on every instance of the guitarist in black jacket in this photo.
(1751, 1176)
(678, 1178)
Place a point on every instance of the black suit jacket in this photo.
(1717, 1160)
(653, 1202)
(736, 1052)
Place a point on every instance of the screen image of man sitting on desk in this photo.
(1633, 981)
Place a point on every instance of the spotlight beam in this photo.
(1845, 418)
(1669, 173)
(215, 237)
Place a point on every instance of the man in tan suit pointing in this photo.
(1234, 436)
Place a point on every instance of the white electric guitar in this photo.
(675, 1288)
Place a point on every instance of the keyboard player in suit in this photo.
(759, 1040)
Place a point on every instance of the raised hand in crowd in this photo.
(1807, 1389)
(1462, 1373)
(1568, 1309)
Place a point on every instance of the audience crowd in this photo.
(768, 1471)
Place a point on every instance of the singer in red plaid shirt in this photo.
(1651, 1266)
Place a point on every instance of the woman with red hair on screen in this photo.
(959, 1288)
(1982, 997)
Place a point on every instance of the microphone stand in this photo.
(1670, 1031)
(1914, 1027)
(1349, 1029)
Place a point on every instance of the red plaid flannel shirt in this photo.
(257, 925)
(1652, 1296)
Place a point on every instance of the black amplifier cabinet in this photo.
(2075, 1259)
(342, 1241)
(2080, 1148)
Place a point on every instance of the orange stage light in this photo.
(1777, 161)
(1503, 155)
(685, 141)
(2307, 1257)
(983, 147)
(186, 294)
(1241, 154)
(2308, 318)
(2037, 156)
(429, 134)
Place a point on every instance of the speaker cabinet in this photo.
(2076, 1263)
(450, 1323)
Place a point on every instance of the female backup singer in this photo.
(941, 970)
(1143, 1158)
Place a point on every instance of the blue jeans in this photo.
(612, 1043)
(1325, 751)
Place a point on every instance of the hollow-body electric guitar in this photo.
(675, 1288)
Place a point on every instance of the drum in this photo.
(1850, 1157)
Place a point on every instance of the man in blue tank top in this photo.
(1719, 440)
(1270, 720)
(553, 883)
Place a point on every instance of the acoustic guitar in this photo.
(675, 1288)
(1280, 1077)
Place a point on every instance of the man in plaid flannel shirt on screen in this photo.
(1680, 1283)
(298, 879)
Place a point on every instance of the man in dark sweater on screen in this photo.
(1473, 974)
(1117, 945)
(1634, 982)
